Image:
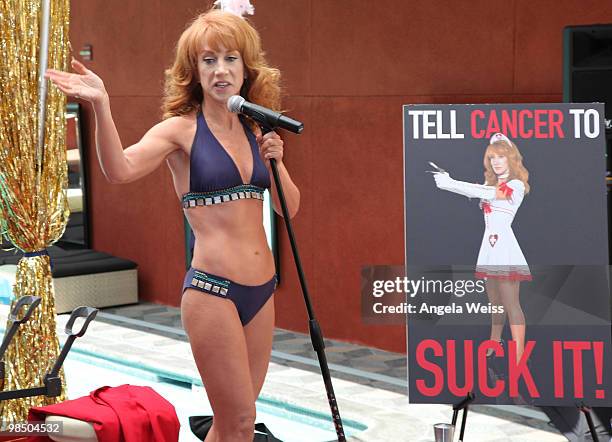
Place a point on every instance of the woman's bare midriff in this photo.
(230, 241)
(230, 237)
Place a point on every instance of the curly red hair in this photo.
(182, 91)
(515, 163)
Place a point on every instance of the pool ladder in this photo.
(52, 381)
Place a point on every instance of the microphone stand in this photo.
(316, 337)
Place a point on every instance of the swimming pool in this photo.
(86, 371)
(288, 422)
(7, 279)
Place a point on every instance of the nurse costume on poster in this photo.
(500, 256)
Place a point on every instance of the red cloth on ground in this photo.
(127, 413)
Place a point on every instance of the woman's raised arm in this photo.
(118, 165)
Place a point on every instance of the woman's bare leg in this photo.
(509, 293)
(220, 350)
(497, 319)
(258, 333)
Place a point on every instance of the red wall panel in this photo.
(348, 66)
(539, 41)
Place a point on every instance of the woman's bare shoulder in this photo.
(179, 121)
(180, 129)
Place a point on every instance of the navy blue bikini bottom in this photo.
(248, 299)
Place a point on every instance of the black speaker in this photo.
(587, 78)
(587, 61)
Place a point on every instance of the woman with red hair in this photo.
(500, 261)
(220, 168)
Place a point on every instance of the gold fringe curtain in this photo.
(33, 203)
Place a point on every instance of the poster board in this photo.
(532, 244)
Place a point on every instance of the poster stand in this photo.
(587, 414)
(463, 405)
(465, 402)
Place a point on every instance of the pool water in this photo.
(7, 280)
(85, 373)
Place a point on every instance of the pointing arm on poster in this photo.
(445, 182)
(435, 166)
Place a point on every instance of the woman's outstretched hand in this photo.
(443, 180)
(83, 83)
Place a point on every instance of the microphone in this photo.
(264, 116)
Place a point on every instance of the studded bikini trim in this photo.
(243, 191)
(210, 284)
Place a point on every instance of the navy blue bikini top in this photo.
(214, 177)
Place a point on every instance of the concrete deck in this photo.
(370, 384)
